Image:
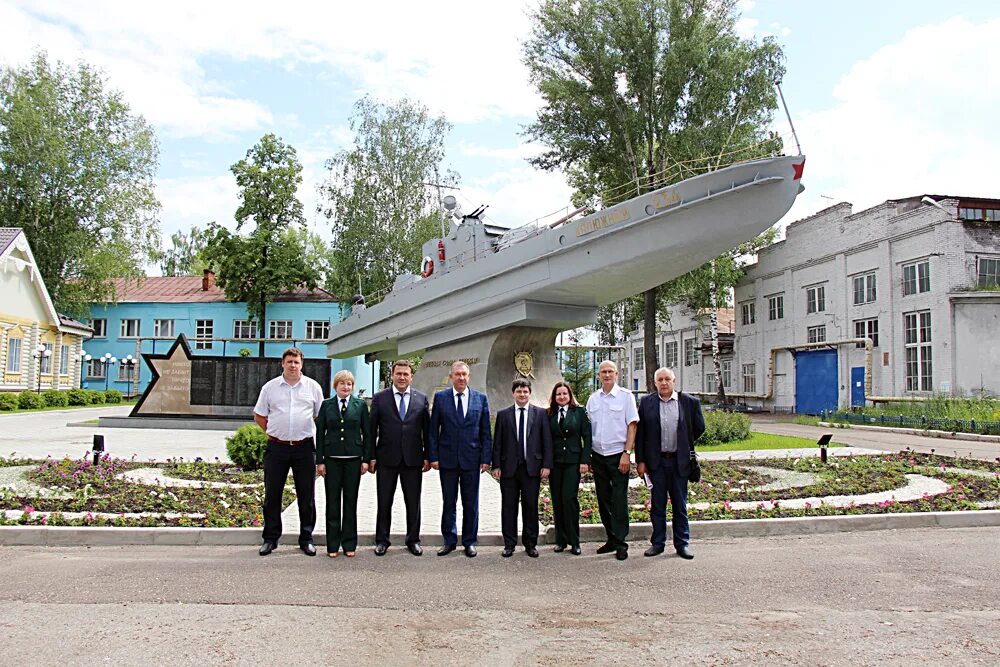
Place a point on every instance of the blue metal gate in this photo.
(858, 387)
(815, 381)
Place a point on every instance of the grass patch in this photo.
(764, 441)
(806, 420)
(53, 408)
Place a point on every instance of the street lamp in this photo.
(107, 360)
(129, 364)
(84, 360)
(41, 353)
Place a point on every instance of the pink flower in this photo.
(28, 509)
(586, 513)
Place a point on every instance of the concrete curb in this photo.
(722, 529)
(944, 435)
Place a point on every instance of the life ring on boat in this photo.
(427, 266)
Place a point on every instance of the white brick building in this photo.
(918, 279)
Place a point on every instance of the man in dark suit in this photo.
(460, 449)
(522, 457)
(669, 424)
(401, 429)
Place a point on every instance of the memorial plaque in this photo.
(188, 386)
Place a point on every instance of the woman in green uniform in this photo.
(571, 446)
(344, 449)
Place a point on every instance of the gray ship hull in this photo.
(558, 277)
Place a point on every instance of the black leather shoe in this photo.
(446, 549)
(653, 551)
(415, 549)
(576, 550)
(380, 549)
(559, 548)
(606, 548)
(621, 554)
(532, 551)
(308, 548)
(267, 548)
(470, 551)
(684, 553)
(507, 552)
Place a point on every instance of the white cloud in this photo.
(916, 117)
(519, 152)
(518, 196)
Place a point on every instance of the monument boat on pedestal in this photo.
(485, 299)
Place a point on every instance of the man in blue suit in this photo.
(461, 450)
(669, 424)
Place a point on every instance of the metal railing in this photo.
(981, 427)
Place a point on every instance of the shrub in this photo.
(29, 400)
(77, 397)
(245, 352)
(95, 397)
(246, 447)
(8, 402)
(721, 427)
(112, 396)
(55, 399)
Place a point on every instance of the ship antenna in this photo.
(789, 116)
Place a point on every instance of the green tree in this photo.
(185, 257)
(270, 259)
(578, 370)
(639, 94)
(76, 174)
(377, 195)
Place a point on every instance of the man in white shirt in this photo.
(286, 410)
(613, 419)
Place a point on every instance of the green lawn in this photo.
(765, 441)
(19, 411)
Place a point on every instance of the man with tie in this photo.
(460, 449)
(669, 424)
(522, 457)
(401, 429)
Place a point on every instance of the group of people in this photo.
(399, 438)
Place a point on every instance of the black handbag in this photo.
(694, 474)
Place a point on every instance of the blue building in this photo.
(151, 313)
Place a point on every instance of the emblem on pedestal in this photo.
(525, 364)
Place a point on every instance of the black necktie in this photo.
(461, 413)
(343, 407)
(562, 417)
(520, 434)
(402, 406)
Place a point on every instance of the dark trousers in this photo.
(343, 478)
(278, 459)
(611, 487)
(564, 486)
(668, 482)
(411, 479)
(453, 480)
(519, 489)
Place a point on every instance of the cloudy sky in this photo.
(890, 99)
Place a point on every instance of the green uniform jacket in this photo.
(350, 436)
(571, 442)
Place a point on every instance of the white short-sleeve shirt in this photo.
(290, 409)
(610, 414)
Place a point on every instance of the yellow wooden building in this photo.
(38, 347)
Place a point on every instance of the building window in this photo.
(987, 214)
(816, 334)
(317, 329)
(776, 307)
(749, 378)
(749, 311)
(100, 328)
(204, 331)
(130, 329)
(64, 360)
(123, 373)
(916, 278)
(281, 329)
(638, 359)
(691, 352)
(13, 355)
(727, 374)
(867, 329)
(816, 299)
(163, 328)
(45, 361)
(670, 354)
(243, 329)
(988, 272)
(710, 382)
(864, 289)
(916, 342)
(95, 369)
